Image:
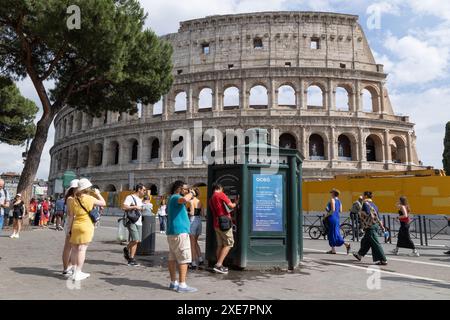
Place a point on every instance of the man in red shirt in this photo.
(220, 205)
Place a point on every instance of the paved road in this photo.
(30, 269)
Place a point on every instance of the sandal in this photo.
(348, 248)
(330, 252)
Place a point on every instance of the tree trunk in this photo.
(28, 174)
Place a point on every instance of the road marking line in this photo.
(394, 259)
(380, 270)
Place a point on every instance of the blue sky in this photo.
(412, 40)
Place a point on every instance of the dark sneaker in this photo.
(220, 269)
(126, 253)
(357, 256)
(447, 252)
(133, 263)
(381, 263)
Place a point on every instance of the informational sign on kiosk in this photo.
(267, 203)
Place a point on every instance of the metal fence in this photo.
(422, 228)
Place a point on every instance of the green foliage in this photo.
(110, 63)
(16, 114)
(446, 154)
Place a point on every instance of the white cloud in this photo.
(429, 110)
(417, 61)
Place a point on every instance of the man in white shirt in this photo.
(4, 202)
(134, 202)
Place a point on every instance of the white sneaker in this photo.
(17, 236)
(415, 253)
(78, 276)
(12, 236)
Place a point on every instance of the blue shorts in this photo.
(196, 225)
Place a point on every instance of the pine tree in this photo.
(446, 154)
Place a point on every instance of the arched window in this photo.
(258, 97)
(231, 98)
(370, 100)
(344, 148)
(65, 129)
(152, 188)
(70, 124)
(286, 96)
(84, 158)
(158, 107)
(97, 155)
(314, 97)
(205, 99)
(154, 152)
(73, 163)
(110, 188)
(374, 148)
(78, 121)
(114, 150)
(316, 147)
(257, 43)
(134, 150)
(398, 150)
(180, 102)
(342, 99)
(287, 141)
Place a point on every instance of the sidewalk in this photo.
(31, 267)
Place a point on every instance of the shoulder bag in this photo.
(133, 215)
(94, 214)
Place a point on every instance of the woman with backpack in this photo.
(404, 238)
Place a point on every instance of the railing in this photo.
(422, 228)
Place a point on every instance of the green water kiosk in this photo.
(268, 219)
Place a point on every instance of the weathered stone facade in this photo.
(225, 60)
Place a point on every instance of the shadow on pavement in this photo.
(133, 283)
(43, 272)
(103, 262)
(417, 281)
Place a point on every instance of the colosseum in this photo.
(310, 75)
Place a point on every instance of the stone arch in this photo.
(153, 188)
(180, 101)
(317, 147)
(374, 148)
(114, 153)
(110, 188)
(73, 162)
(370, 99)
(346, 148)
(398, 150)
(343, 101)
(175, 143)
(231, 97)
(154, 148)
(286, 95)
(315, 96)
(288, 141)
(84, 157)
(259, 97)
(133, 145)
(97, 155)
(205, 98)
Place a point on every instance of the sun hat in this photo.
(84, 184)
(18, 195)
(335, 191)
(73, 184)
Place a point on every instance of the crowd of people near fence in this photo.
(180, 215)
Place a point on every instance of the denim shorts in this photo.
(196, 225)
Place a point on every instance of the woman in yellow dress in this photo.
(82, 228)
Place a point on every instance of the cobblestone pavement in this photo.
(30, 268)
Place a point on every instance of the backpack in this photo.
(368, 220)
